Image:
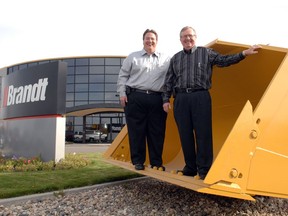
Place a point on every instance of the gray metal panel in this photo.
(31, 137)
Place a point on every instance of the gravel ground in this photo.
(147, 196)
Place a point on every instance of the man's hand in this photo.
(166, 107)
(252, 50)
(123, 101)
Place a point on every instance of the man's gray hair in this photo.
(185, 28)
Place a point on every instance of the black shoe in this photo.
(139, 167)
(186, 173)
(160, 168)
(202, 177)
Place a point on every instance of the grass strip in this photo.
(14, 184)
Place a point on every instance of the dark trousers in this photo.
(192, 112)
(146, 121)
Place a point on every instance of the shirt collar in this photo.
(190, 51)
(143, 52)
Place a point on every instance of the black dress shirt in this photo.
(193, 69)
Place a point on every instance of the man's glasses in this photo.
(188, 36)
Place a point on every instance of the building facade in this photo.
(91, 84)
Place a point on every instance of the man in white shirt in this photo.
(140, 85)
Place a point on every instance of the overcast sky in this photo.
(39, 29)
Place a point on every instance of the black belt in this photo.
(188, 90)
(145, 91)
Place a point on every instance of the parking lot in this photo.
(85, 147)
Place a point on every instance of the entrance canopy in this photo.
(89, 109)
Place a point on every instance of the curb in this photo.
(39, 197)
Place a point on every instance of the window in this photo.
(70, 79)
(81, 70)
(111, 78)
(96, 96)
(70, 62)
(96, 61)
(69, 104)
(96, 69)
(96, 78)
(112, 69)
(69, 88)
(70, 71)
(112, 61)
(96, 87)
(111, 87)
(81, 87)
(81, 79)
(111, 96)
(82, 61)
(69, 96)
(81, 96)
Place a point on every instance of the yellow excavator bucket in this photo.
(250, 130)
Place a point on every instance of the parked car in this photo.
(69, 136)
(78, 135)
(91, 136)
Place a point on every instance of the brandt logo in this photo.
(26, 94)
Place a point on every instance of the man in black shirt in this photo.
(189, 78)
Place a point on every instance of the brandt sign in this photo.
(38, 90)
(25, 94)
